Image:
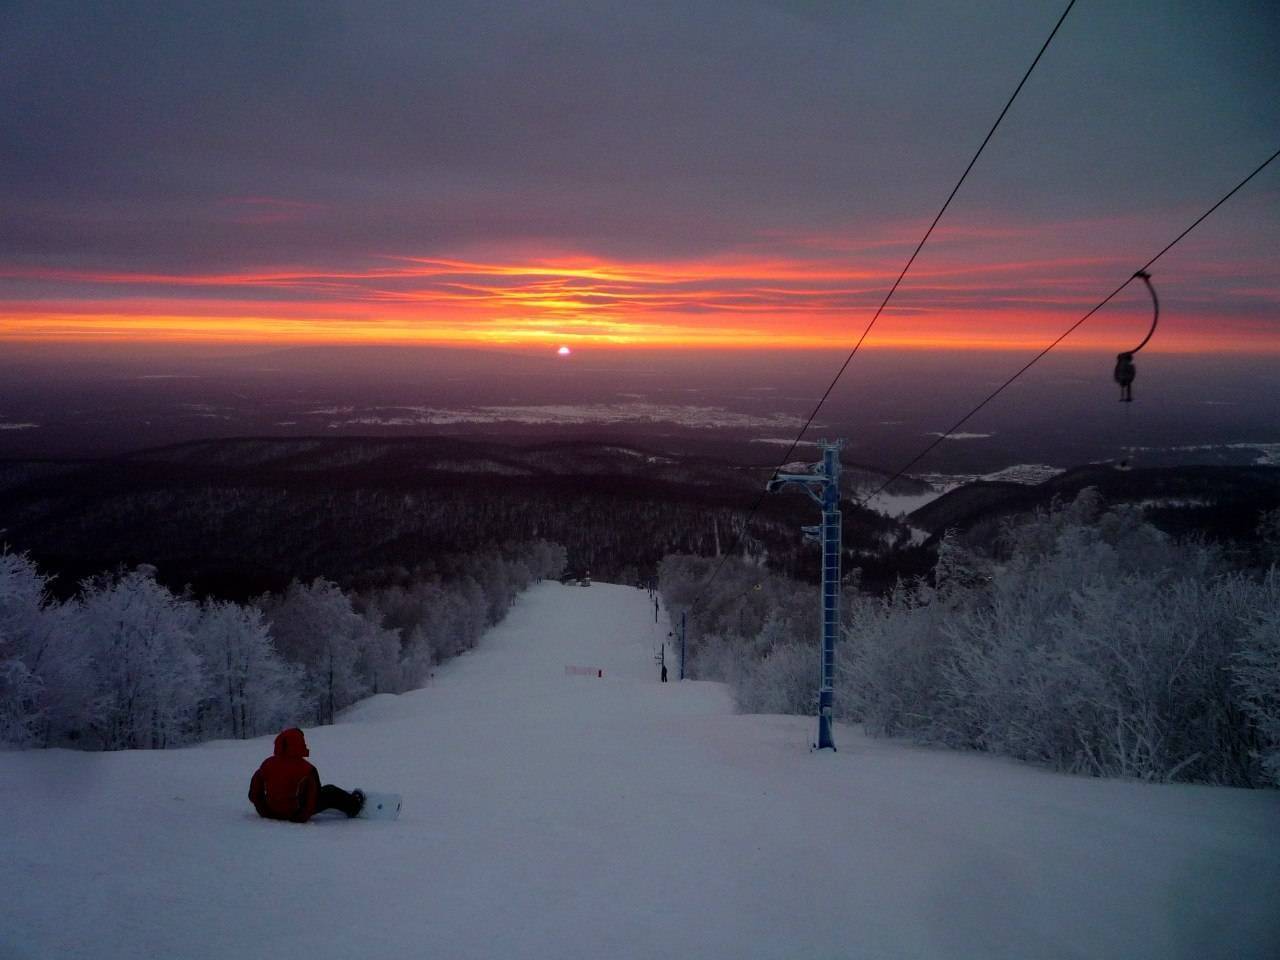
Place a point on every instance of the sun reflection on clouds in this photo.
(954, 299)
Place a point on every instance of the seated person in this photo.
(287, 787)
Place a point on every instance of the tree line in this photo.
(1084, 639)
(128, 663)
(238, 532)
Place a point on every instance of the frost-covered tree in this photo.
(432, 618)
(409, 613)
(417, 656)
(315, 626)
(1269, 536)
(69, 699)
(379, 663)
(1095, 643)
(248, 687)
(1257, 673)
(782, 678)
(493, 576)
(23, 639)
(736, 616)
(450, 623)
(137, 637)
(18, 693)
(547, 560)
(888, 662)
(468, 609)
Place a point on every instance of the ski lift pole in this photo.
(823, 487)
(682, 613)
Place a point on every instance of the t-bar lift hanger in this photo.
(1125, 370)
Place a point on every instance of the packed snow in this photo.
(550, 812)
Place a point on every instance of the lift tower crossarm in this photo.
(806, 481)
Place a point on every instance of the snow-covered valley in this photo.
(559, 815)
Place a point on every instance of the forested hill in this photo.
(236, 517)
(1220, 503)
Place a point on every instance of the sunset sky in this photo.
(729, 174)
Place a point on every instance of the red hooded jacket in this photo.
(286, 787)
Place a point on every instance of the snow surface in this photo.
(901, 504)
(549, 815)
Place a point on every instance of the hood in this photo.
(291, 743)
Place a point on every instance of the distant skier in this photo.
(287, 787)
(664, 673)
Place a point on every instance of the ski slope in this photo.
(559, 816)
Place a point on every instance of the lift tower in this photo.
(822, 485)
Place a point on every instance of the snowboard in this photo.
(380, 806)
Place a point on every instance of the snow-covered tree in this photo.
(379, 663)
(548, 560)
(23, 634)
(888, 661)
(248, 688)
(416, 657)
(1257, 674)
(493, 576)
(137, 636)
(315, 626)
(1269, 536)
(70, 701)
(1098, 644)
(783, 680)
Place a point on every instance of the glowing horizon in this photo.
(729, 302)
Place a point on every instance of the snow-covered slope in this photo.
(549, 815)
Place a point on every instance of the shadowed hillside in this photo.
(1220, 503)
(235, 517)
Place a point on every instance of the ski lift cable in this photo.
(862, 501)
(893, 289)
(923, 240)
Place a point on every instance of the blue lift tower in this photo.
(822, 485)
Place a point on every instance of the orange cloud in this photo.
(951, 300)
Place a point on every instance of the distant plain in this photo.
(745, 406)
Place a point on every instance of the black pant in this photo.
(335, 798)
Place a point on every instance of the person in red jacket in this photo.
(287, 787)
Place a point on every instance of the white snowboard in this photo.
(380, 806)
